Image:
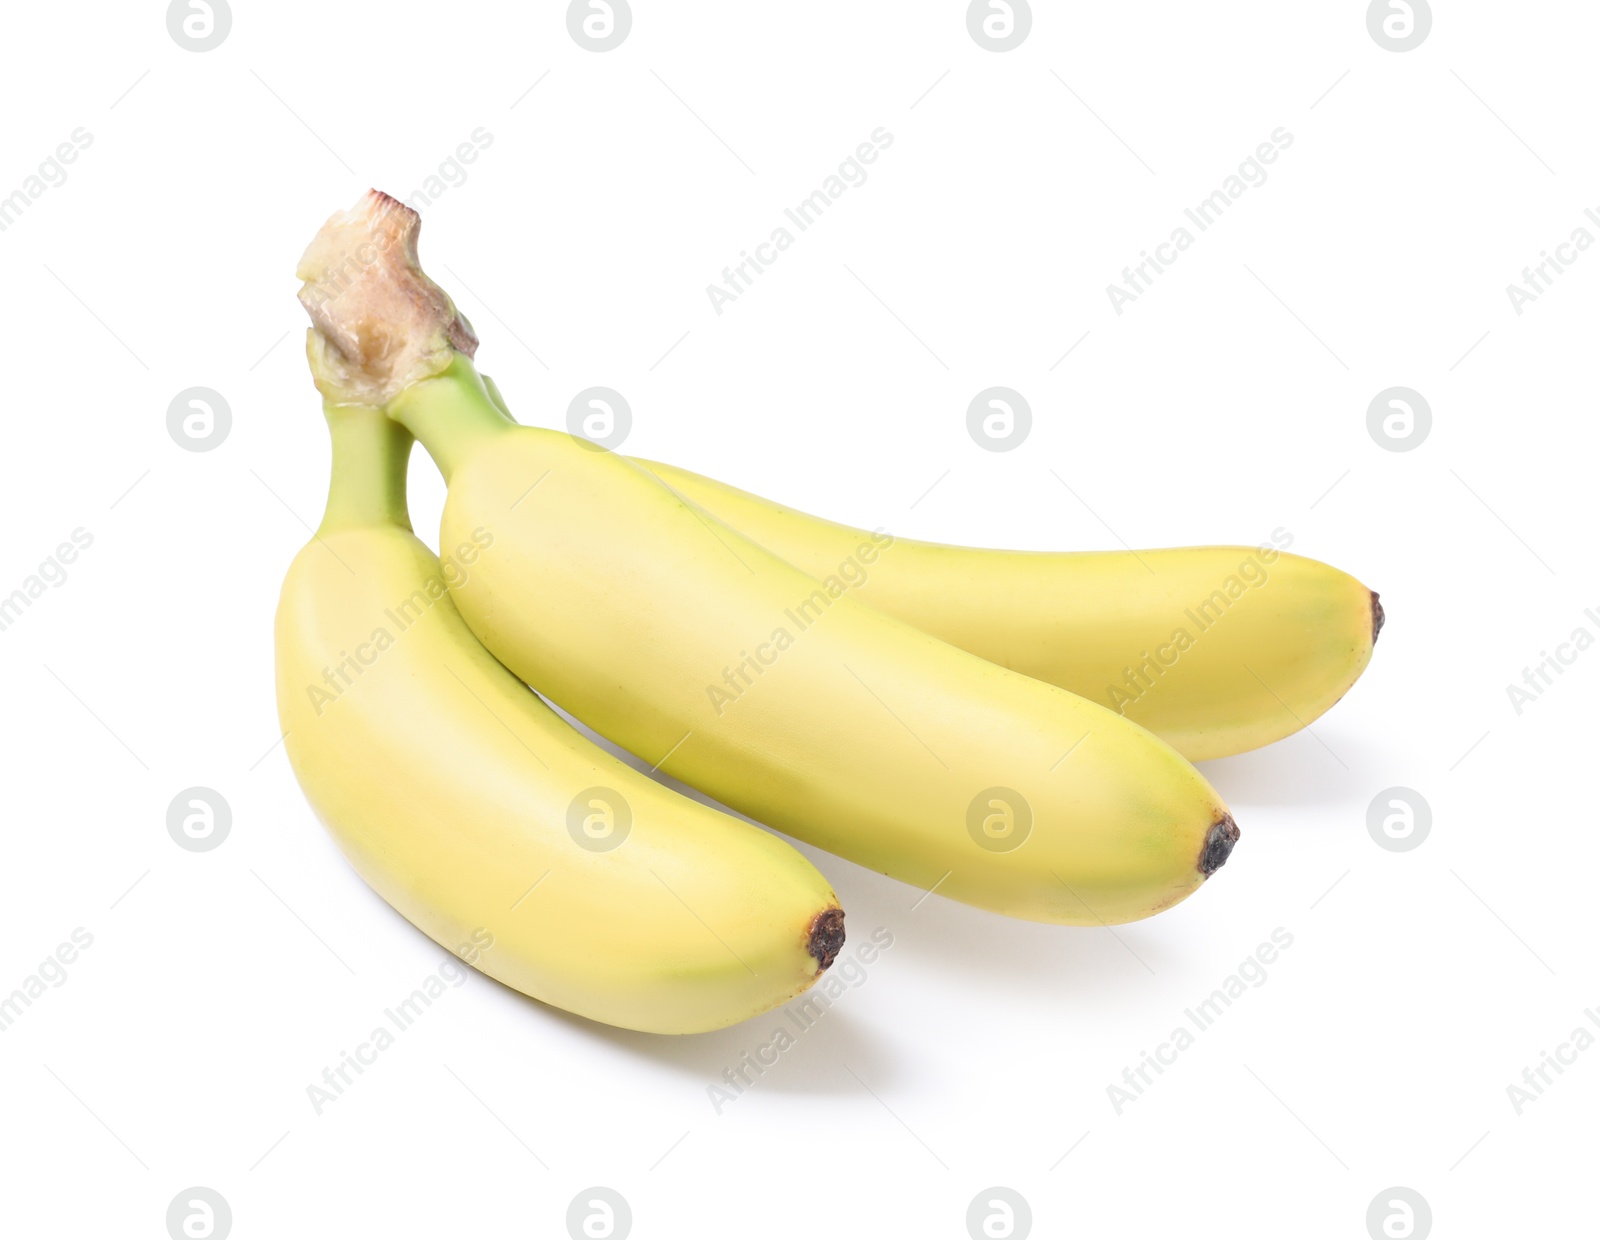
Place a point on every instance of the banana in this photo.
(487, 820)
(1217, 650)
(702, 652)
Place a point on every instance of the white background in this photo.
(1225, 402)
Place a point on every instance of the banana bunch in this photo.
(1034, 761)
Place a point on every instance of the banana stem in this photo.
(451, 413)
(370, 455)
(385, 336)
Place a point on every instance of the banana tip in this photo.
(826, 936)
(1224, 834)
(1377, 617)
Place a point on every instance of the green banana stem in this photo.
(451, 413)
(370, 455)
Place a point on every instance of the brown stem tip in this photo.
(1224, 834)
(1377, 617)
(826, 937)
(380, 322)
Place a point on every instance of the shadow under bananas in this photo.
(814, 1059)
(1316, 766)
(944, 947)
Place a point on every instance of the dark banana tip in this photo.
(1224, 834)
(1377, 617)
(826, 937)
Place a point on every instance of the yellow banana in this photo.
(487, 820)
(702, 652)
(1215, 649)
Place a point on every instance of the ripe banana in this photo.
(486, 819)
(1217, 650)
(700, 651)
